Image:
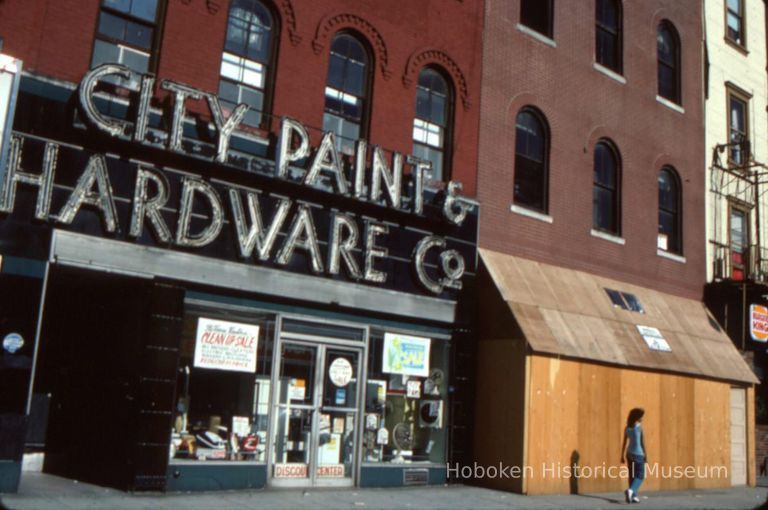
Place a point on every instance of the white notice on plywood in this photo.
(653, 338)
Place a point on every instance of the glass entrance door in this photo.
(315, 415)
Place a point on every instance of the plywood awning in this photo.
(567, 312)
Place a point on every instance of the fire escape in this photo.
(737, 213)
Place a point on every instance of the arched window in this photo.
(608, 35)
(531, 160)
(670, 213)
(606, 190)
(248, 60)
(668, 53)
(347, 91)
(431, 126)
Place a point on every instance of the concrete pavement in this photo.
(46, 492)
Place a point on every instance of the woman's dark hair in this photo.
(634, 415)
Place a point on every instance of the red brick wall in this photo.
(55, 38)
(581, 105)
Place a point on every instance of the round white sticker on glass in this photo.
(13, 342)
(340, 372)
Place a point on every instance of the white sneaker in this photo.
(628, 495)
(635, 499)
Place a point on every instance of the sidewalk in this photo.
(46, 492)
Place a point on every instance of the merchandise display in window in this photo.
(406, 399)
(223, 388)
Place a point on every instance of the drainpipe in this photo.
(744, 316)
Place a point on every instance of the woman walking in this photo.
(635, 454)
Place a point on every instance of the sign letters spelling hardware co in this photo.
(371, 178)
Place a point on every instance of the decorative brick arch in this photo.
(284, 9)
(422, 58)
(333, 23)
(288, 17)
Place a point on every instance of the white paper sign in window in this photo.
(226, 345)
(654, 338)
(406, 355)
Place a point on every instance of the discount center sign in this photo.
(226, 345)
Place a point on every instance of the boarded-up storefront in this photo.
(564, 355)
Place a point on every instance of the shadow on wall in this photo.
(574, 482)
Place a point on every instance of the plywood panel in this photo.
(676, 438)
(552, 423)
(751, 438)
(600, 427)
(641, 389)
(711, 405)
(500, 408)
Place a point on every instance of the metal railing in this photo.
(749, 263)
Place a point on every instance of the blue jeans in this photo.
(636, 472)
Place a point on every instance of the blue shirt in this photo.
(635, 445)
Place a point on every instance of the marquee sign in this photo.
(177, 208)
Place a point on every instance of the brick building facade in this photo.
(592, 244)
(582, 105)
(230, 253)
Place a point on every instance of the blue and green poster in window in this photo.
(406, 355)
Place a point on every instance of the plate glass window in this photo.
(222, 413)
(346, 91)
(669, 211)
(605, 191)
(247, 61)
(531, 160)
(668, 57)
(406, 416)
(608, 36)
(734, 21)
(738, 134)
(431, 141)
(126, 33)
(537, 15)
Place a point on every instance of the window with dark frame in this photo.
(608, 34)
(605, 190)
(431, 125)
(669, 238)
(625, 300)
(531, 160)
(537, 15)
(127, 34)
(734, 21)
(247, 61)
(346, 91)
(668, 56)
(738, 131)
(738, 233)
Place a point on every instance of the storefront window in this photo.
(406, 399)
(223, 388)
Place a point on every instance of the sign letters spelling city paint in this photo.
(371, 179)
